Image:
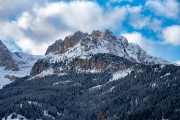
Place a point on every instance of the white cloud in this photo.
(35, 29)
(143, 42)
(36, 25)
(139, 21)
(11, 30)
(177, 62)
(166, 8)
(134, 37)
(13, 9)
(136, 20)
(171, 35)
(155, 24)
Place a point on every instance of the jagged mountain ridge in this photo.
(83, 46)
(14, 64)
(76, 47)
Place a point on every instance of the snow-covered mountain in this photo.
(14, 64)
(72, 54)
(84, 46)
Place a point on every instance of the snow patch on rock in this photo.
(95, 87)
(120, 74)
(62, 82)
(15, 116)
(167, 74)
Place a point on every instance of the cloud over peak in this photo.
(171, 34)
(47, 23)
(166, 8)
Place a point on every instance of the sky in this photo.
(30, 26)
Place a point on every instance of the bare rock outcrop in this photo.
(61, 46)
(6, 59)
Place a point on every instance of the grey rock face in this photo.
(57, 46)
(61, 46)
(39, 66)
(99, 62)
(6, 59)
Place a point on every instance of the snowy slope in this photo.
(24, 63)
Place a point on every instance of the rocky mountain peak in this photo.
(55, 47)
(61, 46)
(84, 44)
(96, 33)
(2, 46)
(6, 59)
(106, 34)
(76, 53)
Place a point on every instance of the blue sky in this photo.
(31, 25)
